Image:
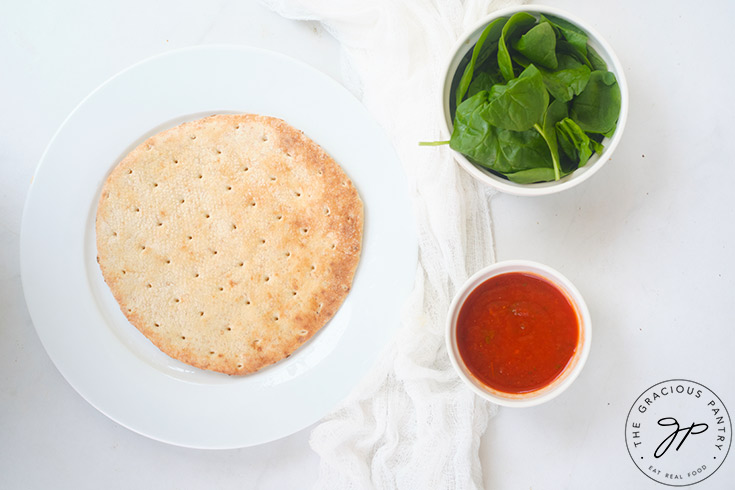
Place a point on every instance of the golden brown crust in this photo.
(229, 241)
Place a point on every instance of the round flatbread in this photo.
(229, 241)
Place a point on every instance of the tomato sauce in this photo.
(516, 332)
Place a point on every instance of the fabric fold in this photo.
(411, 423)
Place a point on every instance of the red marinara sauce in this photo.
(516, 332)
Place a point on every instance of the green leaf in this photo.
(520, 60)
(568, 61)
(491, 32)
(539, 46)
(573, 34)
(610, 132)
(501, 150)
(565, 84)
(520, 103)
(566, 48)
(520, 150)
(488, 59)
(595, 59)
(473, 135)
(556, 111)
(596, 147)
(532, 175)
(514, 28)
(483, 81)
(575, 143)
(596, 109)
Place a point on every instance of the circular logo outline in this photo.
(627, 418)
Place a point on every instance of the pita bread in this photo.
(229, 241)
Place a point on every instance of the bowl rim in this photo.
(460, 49)
(573, 369)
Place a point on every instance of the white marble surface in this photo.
(648, 240)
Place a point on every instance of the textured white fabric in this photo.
(411, 424)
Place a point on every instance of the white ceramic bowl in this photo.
(467, 42)
(574, 367)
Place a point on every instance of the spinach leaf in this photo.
(597, 138)
(574, 142)
(564, 47)
(565, 84)
(473, 135)
(520, 60)
(539, 46)
(596, 109)
(488, 59)
(501, 150)
(520, 150)
(532, 175)
(492, 32)
(595, 59)
(511, 30)
(573, 34)
(567, 61)
(556, 112)
(520, 103)
(483, 81)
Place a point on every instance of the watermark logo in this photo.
(678, 432)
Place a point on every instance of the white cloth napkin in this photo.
(411, 424)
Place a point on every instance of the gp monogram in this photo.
(678, 432)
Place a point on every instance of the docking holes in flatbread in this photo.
(229, 241)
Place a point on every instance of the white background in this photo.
(649, 241)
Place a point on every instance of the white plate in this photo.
(112, 365)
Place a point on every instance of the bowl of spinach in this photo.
(534, 101)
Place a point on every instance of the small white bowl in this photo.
(575, 365)
(467, 42)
